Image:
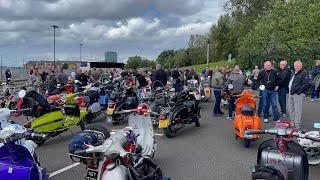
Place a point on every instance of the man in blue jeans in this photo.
(284, 75)
(218, 82)
(315, 72)
(268, 77)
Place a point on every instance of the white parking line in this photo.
(63, 169)
(158, 134)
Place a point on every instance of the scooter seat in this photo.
(246, 110)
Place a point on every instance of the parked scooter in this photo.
(49, 121)
(184, 109)
(18, 159)
(311, 147)
(120, 157)
(205, 89)
(280, 157)
(245, 118)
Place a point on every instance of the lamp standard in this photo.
(54, 45)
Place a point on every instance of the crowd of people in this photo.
(278, 82)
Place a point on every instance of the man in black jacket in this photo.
(268, 77)
(298, 86)
(284, 75)
(160, 77)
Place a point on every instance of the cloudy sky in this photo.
(129, 27)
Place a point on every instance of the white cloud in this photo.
(187, 29)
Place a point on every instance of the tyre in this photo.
(82, 125)
(197, 122)
(247, 142)
(170, 132)
(99, 127)
(12, 105)
(313, 155)
(39, 142)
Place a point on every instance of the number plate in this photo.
(163, 123)
(92, 174)
(110, 111)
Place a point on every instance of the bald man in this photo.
(298, 86)
(284, 75)
(269, 78)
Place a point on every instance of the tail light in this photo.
(162, 117)
(111, 105)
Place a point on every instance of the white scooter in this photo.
(311, 147)
(119, 156)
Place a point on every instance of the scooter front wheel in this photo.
(247, 142)
(313, 155)
(170, 131)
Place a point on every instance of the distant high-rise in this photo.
(111, 56)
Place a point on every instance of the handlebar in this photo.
(255, 132)
(37, 135)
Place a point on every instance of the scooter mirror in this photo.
(316, 125)
(230, 86)
(262, 87)
(22, 93)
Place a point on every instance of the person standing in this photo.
(268, 77)
(8, 75)
(315, 72)
(52, 82)
(218, 81)
(160, 77)
(238, 81)
(283, 81)
(82, 77)
(62, 78)
(298, 86)
(255, 74)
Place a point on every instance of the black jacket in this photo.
(142, 80)
(160, 75)
(268, 78)
(284, 76)
(300, 82)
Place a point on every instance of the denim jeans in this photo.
(269, 96)
(218, 97)
(260, 106)
(231, 102)
(282, 96)
(315, 92)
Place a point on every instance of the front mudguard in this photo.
(293, 148)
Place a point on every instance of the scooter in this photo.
(193, 88)
(245, 118)
(121, 156)
(53, 121)
(281, 157)
(205, 89)
(184, 109)
(311, 147)
(18, 159)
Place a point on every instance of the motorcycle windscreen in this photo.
(142, 125)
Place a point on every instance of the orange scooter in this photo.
(246, 118)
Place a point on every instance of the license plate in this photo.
(92, 174)
(110, 111)
(163, 123)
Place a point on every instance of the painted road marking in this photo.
(64, 169)
(158, 134)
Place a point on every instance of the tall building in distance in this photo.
(111, 56)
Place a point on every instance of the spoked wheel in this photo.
(247, 142)
(170, 131)
(313, 155)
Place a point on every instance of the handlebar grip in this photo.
(36, 135)
(255, 132)
(313, 139)
(80, 151)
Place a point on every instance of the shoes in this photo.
(284, 115)
(314, 100)
(265, 120)
(229, 118)
(216, 115)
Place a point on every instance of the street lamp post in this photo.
(54, 45)
(208, 49)
(80, 51)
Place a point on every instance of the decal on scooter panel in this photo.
(10, 170)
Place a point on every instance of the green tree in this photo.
(134, 62)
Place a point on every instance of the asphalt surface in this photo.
(205, 153)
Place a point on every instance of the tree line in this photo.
(253, 31)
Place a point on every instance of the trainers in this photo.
(265, 120)
(229, 118)
(284, 115)
(313, 100)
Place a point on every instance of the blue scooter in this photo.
(17, 157)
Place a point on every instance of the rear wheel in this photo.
(12, 105)
(170, 131)
(99, 127)
(247, 142)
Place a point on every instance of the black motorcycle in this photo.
(182, 110)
